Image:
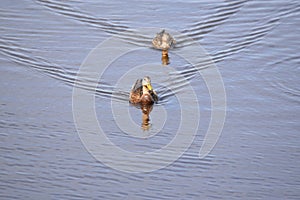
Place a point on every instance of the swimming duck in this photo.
(163, 41)
(142, 92)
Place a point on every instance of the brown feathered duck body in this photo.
(142, 92)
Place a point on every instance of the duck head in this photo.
(146, 82)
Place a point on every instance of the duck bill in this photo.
(149, 86)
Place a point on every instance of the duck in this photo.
(142, 92)
(163, 41)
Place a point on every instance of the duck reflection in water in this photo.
(164, 41)
(146, 109)
(165, 59)
(143, 96)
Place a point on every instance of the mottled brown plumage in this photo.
(142, 92)
(163, 41)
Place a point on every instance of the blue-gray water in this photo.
(255, 45)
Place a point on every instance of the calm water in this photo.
(255, 46)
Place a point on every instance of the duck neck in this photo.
(145, 90)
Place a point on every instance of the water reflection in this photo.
(145, 119)
(146, 110)
(165, 59)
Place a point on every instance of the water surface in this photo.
(255, 46)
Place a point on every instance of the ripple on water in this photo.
(285, 79)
